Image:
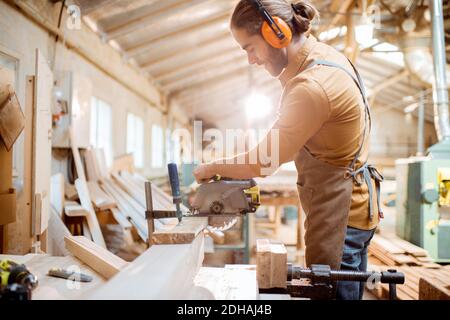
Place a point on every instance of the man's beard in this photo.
(278, 62)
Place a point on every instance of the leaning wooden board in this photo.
(101, 260)
(94, 226)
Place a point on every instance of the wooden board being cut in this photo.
(162, 273)
(101, 260)
(185, 232)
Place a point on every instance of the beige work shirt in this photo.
(321, 109)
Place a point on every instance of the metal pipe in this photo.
(421, 125)
(440, 94)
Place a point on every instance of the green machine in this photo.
(423, 201)
(423, 184)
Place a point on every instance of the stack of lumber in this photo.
(394, 251)
(100, 199)
(420, 283)
(423, 278)
(127, 192)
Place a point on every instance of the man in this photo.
(323, 124)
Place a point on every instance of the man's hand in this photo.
(203, 172)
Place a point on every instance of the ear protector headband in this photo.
(274, 30)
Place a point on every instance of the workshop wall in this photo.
(19, 38)
(394, 134)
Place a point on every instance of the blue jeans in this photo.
(354, 259)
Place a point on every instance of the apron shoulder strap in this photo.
(359, 83)
(367, 172)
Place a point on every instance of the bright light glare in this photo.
(385, 46)
(411, 108)
(257, 106)
(333, 33)
(364, 32)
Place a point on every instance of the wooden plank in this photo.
(403, 259)
(430, 289)
(162, 272)
(42, 126)
(76, 155)
(409, 247)
(161, 200)
(12, 120)
(19, 234)
(92, 171)
(136, 218)
(101, 163)
(271, 264)
(101, 260)
(91, 218)
(123, 163)
(57, 193)
(74, 209)
(99, 198)
(386, 245)
(120, 218)
(71, 192)
(57, 230)
(185, 232)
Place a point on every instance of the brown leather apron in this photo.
(326, 193)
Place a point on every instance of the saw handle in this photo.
(174, 182)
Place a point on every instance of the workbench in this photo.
(229, 283)
(50, 288)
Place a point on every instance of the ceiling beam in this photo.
(186, 38)
(163, 66)
(233, 89)
(210, 46)
(208, 75)
(151, 18)
(186, 71)
(240, 81)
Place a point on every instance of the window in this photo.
(135, 139)
(157, 146)
(101, 128)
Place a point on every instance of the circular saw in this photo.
(220, 199)
(224, 200)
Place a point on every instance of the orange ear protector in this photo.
(274, 30)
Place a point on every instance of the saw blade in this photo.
(222, 223)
